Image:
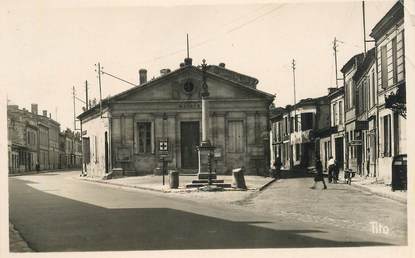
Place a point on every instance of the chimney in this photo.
(50, 115)
(187, 61)
(143, 76)
(45, 113)
(164, 71)
(34, 109)
(222, 65)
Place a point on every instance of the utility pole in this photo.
(74, 116)
(86, 95)
(295, 115)
(335, 60)
(335, 45)
(293, 67)
(187, 44)
(100, 90)
(364, 27)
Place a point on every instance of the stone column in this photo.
(205, 119)
(205, 147)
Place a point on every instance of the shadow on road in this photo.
(52, 223)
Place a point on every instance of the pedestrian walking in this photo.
(331, 164)
(319, 176)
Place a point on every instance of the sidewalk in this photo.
(377, 187)
(228, 196)
(155, 183)
(35, 172)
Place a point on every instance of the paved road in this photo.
(57, 212)
(340, 206)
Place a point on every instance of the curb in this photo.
(122, 185)
(267, 184)
(384, 195)
(40, 172)
(162, 191)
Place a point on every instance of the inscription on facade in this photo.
(189, 105)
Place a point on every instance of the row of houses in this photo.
(361, 124)
(35, 142)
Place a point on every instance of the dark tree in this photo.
(397, 101)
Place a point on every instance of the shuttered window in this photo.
(235, 136)
(87, 150)
(384, 67)
(373, 89)
(387, 136)
(394, 60)
(144, 141)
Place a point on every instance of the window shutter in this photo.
(152, 138)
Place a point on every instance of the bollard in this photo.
(238, 178)
(173, 179)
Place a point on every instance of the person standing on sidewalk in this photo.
(319, 176)
(331, 164)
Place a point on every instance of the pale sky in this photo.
(48, 48)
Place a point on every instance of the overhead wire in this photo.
(228, 31)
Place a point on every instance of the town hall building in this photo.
(127, 130)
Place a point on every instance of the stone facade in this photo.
(33, 141)
(168, 108)
(389, 36)
(337, 141)
(298, 131)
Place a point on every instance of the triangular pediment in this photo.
(185, 84)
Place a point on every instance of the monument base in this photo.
(205, 150)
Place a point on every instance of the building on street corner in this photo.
(167, 110)
(388, 34)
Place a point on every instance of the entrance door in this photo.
(106, 154)
(189, 132)
(339, 151)
(372, 153)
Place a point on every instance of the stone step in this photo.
(188, 171)
(201, 184)
(205, 181)
(206, 176)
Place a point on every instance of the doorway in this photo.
(189, 139)
(338, 142)
(106, 154)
